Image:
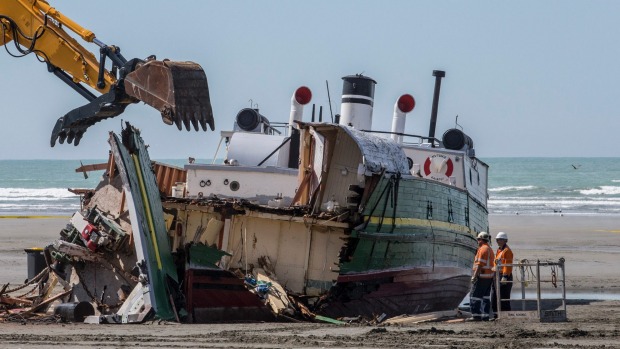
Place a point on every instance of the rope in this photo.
(37, 286)
(30, 282)
(529, 274)
(389, 196)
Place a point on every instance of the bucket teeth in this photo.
(194, 119)
(207, 119)
(179, 123)
(203, 121)
(70, 136)
(186, 118)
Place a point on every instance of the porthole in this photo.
(234, 185)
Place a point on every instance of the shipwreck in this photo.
(304, 219)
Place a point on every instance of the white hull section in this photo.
(262, 185)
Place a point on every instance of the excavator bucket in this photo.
(179, 90)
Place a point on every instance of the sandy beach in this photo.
(590, 246)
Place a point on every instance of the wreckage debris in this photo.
(74, 311)
(139, 250)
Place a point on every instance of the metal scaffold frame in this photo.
(544, 315)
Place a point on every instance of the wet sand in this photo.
(590, 246)
(17, 234)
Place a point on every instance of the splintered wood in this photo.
(30, 304)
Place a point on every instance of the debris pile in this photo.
(30, 301)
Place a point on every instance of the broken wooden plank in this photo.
(79, 191)
(412, 319)
(46, 302)
(92, 167)
(15, 301)
(302, 308)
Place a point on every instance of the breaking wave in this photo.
(55, 201)
(603, 190)
(515, 188)
(39, 194)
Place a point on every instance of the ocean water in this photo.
(578, 186)
(39, 187)
(540, 186)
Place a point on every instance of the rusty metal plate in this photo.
(179, 90)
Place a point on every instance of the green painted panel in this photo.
(138, 177)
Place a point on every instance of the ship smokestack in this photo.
(438, 74)
(301, 97)
(403, 105)
(358, 94)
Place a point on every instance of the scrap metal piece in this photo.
(157, 268)
(179, 90)
(77, 251)
(135, 309)
(74, 311)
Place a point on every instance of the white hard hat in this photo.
(483, 235)
(502, 235)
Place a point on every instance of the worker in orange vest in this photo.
(482, 278)
(502, 257)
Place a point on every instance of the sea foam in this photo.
(603, 190)
(515, 188)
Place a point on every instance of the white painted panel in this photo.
(254, 183)
(249, 149)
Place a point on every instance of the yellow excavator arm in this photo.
(32, 22)
(178, 90)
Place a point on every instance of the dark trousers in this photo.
(479, 299)
(504, 293)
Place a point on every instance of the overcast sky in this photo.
(527, 78)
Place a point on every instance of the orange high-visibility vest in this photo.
(484, 261)
(504, 256)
